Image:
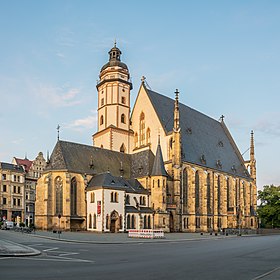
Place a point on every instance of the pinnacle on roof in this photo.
(158, 167)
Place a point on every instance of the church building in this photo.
(162, 165)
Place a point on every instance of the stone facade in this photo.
(189, 164)
(33, 171)
(12, 198)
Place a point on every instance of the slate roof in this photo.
(142, 163)
(158, 167)
(205, 141)
(82, 159)
(132, 209)
(108, 181)
(11, 167)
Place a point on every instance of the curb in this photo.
(26, 251)
(138, 241)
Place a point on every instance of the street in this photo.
(228, 258)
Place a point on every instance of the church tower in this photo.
(113, 88)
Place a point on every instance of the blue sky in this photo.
(223, 56)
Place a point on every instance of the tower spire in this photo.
(176, 112)
(252, 158)
(252, 146)
(58, 127)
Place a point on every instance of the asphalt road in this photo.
(230, 258)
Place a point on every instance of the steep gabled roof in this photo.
(108, 181)
(205, 141)
(88, 159)
(11, 167)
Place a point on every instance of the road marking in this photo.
(267, 273)
(67, 254)
(4, 258)
(50, 249)
(72, 259)
(55, 259)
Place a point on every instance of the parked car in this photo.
(8, 225)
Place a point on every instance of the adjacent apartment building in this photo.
(12, 200)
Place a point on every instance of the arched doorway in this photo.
(114, 221)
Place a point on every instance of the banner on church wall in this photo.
(98, 207)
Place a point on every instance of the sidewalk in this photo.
(122, 238)
(11, 249)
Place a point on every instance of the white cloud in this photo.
(60, 55)
(57, 96)
(85, 123)
(17, 141)
(269, 124)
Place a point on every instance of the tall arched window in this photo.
(127, 199)
(144, 200)
(149, 221)
(123, 118)
(122, 148)
(73, 198)
(101, 120)
(116, 197)
(133, 221)
(244, 194)
(148, 135)
(208, 183)
(89, 221)
(236, 194)
(229, 195)
(145, 221)
(197, 193)
(112, 197)
(136, 140)
(142, 129)
(185, 188)
(94, 220)
(219, 194)
(128, 222)
(107, 221)
(58, 196)
(92, 197)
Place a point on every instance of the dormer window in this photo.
(219, 164)
(189, 130)
(203, 159)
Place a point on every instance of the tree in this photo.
(269, 209)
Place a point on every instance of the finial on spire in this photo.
(58, 127)
(115, 43)
(176, 112)
(222, 117)
(176, 94)
(143, 78)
